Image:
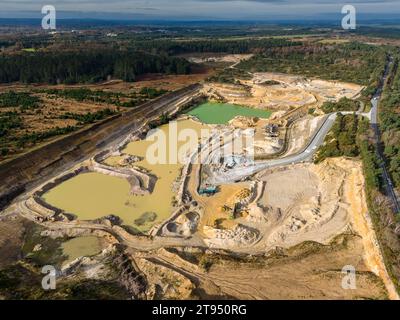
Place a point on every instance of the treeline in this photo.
(351, 137)
(344, 104)
(367, 151)
(230, 75)
(338, 143)
(376, 77)
(389, 117)
(85, 66)
(214, 45)
(351, 62)
(99, 96)
(380, 208)
(84, 94)
(341, 141)
(152, 93)
(89, 117)
(6, 43)
(379, 32)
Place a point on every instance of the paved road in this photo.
(375, 126)
(241, 172)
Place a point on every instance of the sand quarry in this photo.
(303, 202)
(282, 92)
(317, 209)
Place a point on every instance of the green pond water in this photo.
(222, 113)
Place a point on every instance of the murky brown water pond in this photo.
(93, 195)
(81, 247)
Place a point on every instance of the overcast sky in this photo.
(198, 9)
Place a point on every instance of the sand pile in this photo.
(242, 122)
(239, 236)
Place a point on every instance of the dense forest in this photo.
(349, 137)
(390, 122)
(341, 141)
(231, 46)
(85, 66)
(380, 208)
(379, 31)
(351, 62)
(75, 64)
(344, 104)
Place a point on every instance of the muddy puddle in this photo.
(81, 247)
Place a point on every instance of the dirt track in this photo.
(308, 271)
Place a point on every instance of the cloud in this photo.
(208, 9)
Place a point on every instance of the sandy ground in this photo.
(308, 271)
(212, 57)
(300, 203)
(277, 91)
(302, 209)
(301, 131)
(263, 143)
(338, 234)
(212, 205)
(362, 224)
(323, 89)
(313, 275)
(303, 203)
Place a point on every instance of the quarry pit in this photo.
(118, 195)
